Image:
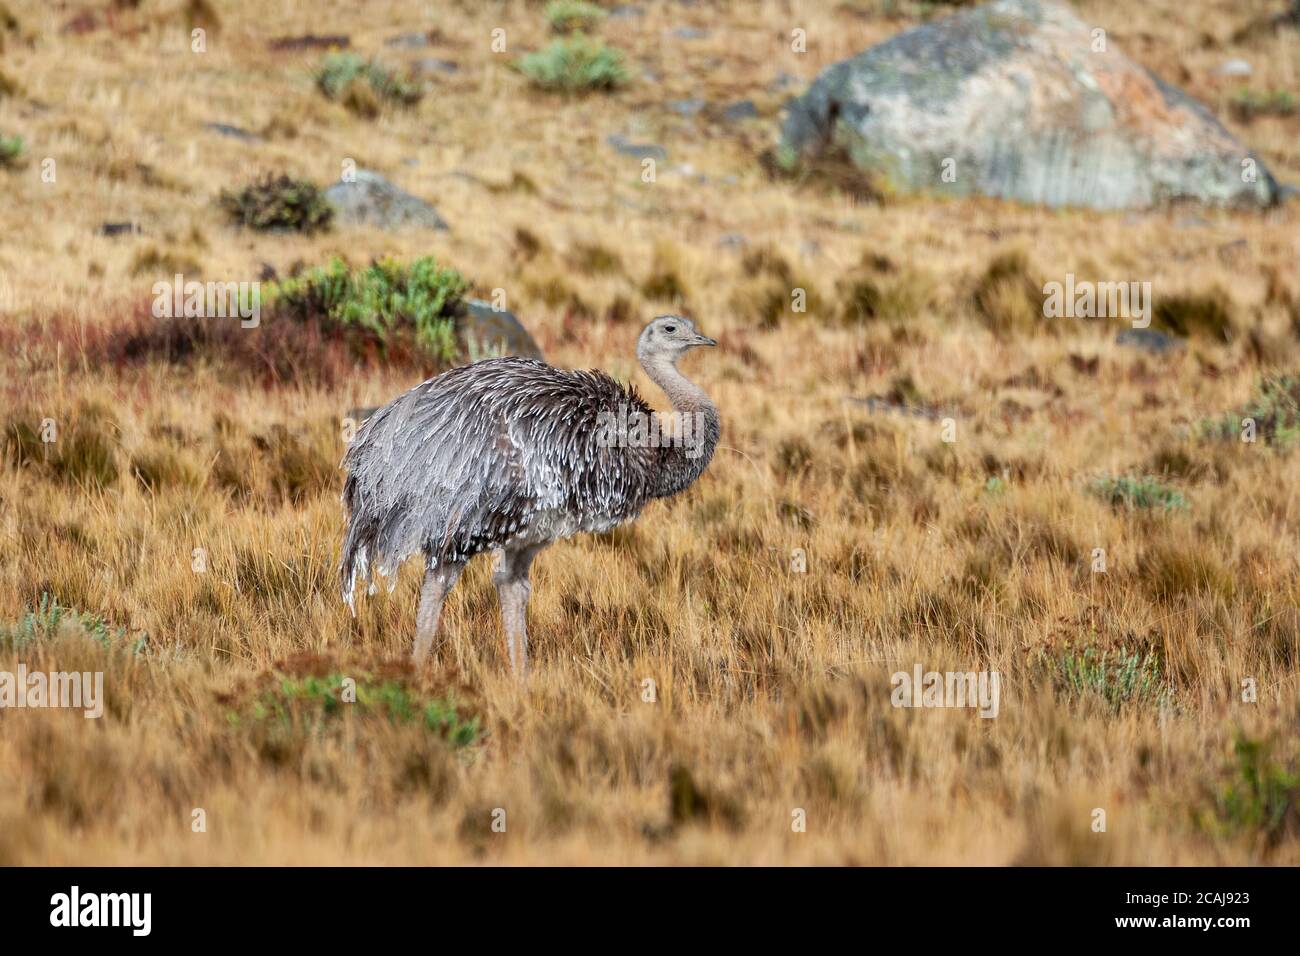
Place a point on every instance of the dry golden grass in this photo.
(773, 687)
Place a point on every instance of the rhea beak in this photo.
(703, 340)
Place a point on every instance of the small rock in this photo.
(733, 240)
(1234, 68)
(686, 107)
(1149, 340)
(639, 150)
(310, 41)
(625, 11)
(408, 41)
(373, 201)
(485, 332)
(234, 132)
(742, 110)
(690, 33)
(783, 81)
(877, 404)
(1231, 252)
(432, 66)
(117, 228)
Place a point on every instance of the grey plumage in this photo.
(509, 455)
(501, 452)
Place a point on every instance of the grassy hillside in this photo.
(188, 516)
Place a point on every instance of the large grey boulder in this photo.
(371, 200)
(1023, 100)
(487, 333)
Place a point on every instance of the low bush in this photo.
(278, 203)
(575, 64)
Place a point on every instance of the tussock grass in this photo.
(1007, 298)
(569, 16)
(80, 450)
(771, 685)
(665, 282)
(1206, 314)
(152, 262)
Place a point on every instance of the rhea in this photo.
(508, 455)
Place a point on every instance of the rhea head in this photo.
(669, 337)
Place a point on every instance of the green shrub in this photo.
(362, 85)
(1261, 796)
(384, 300)
(568, 16)
(279, 203)
(11, 151)
(50, 619)
(1274, 406)
(1248, 104)
(1172, 572)
(1134, 493)
(1118, 677)
(313, 703)
(575, 64)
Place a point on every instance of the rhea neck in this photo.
(681, 463)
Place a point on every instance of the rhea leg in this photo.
(438, 581)
(513, 588)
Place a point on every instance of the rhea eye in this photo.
(670, 329)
